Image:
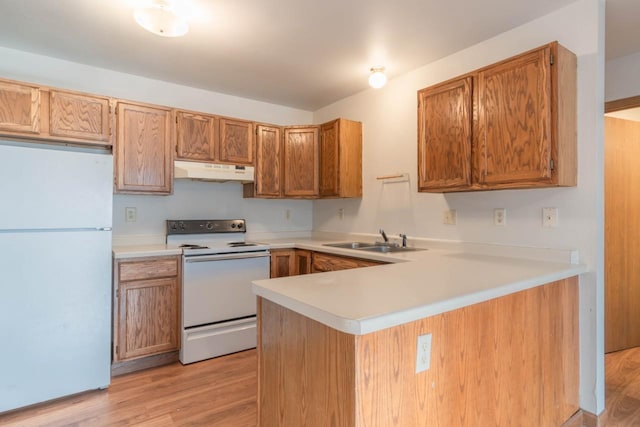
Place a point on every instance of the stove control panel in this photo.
(202, 226)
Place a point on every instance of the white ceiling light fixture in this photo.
(161, 17)
(378, 78)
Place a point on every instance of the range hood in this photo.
(213, 172)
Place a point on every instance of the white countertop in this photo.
(419, 284)
(140, 251)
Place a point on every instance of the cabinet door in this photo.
(301, 169)
(148, 317)
(302, 262)
(514, 118)
(330, 159)
(79, 116)
(268, 177)
(196, 136)
(144, 161)
(444, 136)
(236, 142)
(282, 263)
(19, 108)
(325, 262)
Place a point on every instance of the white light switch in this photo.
(423, 358)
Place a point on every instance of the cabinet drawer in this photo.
(148, 269)
(323, 262)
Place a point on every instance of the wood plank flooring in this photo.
(217, 392)
(622, 379)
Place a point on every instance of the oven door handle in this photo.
(226, 257)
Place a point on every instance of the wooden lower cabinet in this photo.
(292, 262)
(146, 307)
(509, 361)
(325, 262)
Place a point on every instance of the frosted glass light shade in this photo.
(378, 78)
(160, 19)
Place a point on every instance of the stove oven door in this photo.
(217, 288)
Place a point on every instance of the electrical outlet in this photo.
(287, 214)
(423, 356)
(130, 214)
(341, 213)
(449, 217)
(499, 217)
(549, 217)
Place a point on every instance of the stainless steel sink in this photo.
(389, 249)
(350, 245)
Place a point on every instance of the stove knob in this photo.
(209, 226)
(233, 225)
(240, 225)
(182, 226)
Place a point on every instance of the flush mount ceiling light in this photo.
(378, 78)
(162, 18)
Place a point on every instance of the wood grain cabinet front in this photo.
(19, 108)
(236, 142)
(79, 116)
(143, 155)
(196, 136)
(508, 125)
(146, 307)
(322, 262)
(268, 170)
(341, 159)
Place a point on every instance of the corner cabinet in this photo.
(341, 159)
(508, 125)
(146, 309)
(143, 155)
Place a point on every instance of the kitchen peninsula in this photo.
(341, 348)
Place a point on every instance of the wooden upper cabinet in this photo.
(144, 160)
(19, 108)
(268, 172)
(301, 168)
(236, 141)
(341, 159)
(510, 125)
(196, 134)
(444, 136)
(79, 116)
(514, 138)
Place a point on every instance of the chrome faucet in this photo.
(404, 240)
(384, 236)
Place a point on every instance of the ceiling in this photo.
(300, 53)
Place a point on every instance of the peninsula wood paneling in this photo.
(196, 136)
(301, 168)
(79, 116)
(444, 136)
(306, 376)
(622, 229)
(508, 361)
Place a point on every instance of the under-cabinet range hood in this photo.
(213, 172)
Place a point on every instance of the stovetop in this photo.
(204, 237)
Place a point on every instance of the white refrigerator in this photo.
(55, 272)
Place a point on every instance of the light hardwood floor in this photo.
(622, 379)
(217, 392)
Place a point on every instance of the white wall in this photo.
(191, 200)
(623, 77)
(389, 141)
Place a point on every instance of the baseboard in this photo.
(129, 366)
(586, 419)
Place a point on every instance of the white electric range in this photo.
(218, 306)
